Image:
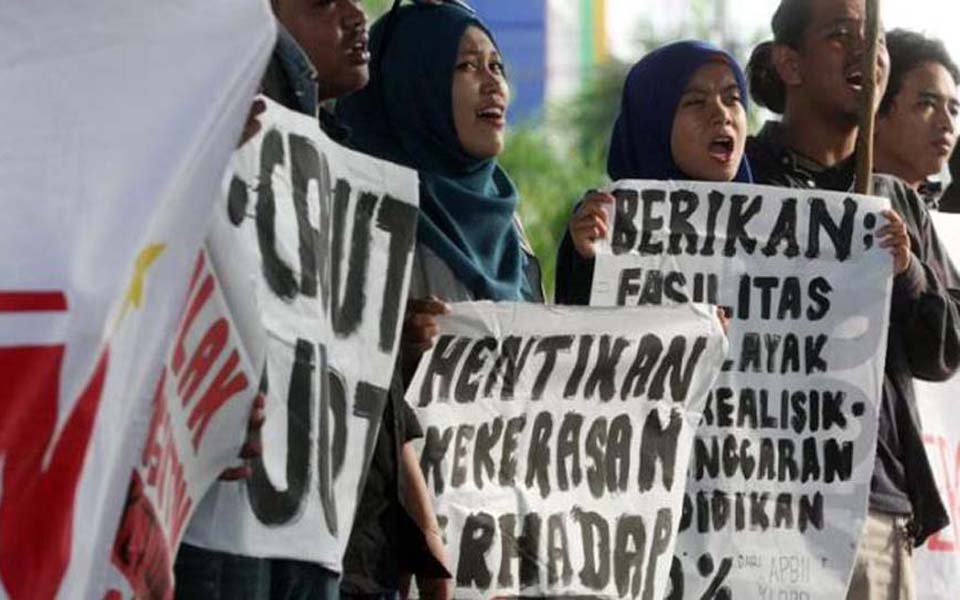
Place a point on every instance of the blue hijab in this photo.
(405, 114)
(640, 145)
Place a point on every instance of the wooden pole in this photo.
(868, 100)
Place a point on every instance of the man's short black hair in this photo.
(907, 50)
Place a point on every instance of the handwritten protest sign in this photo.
(780, 471)
(313, 247)
(557, 440)
(937, 562)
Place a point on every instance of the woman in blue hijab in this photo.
(437, 102)
(682, 117)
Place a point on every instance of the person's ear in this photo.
(786, 61)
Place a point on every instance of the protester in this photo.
(917, 120)
(437, 103)
(683, 116)
(812, 74)
(321, 53)
(470, 244)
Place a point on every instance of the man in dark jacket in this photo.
(812, 75)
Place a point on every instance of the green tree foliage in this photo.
(589, 116)
(375, 8)
(553, 175)
(550, 181)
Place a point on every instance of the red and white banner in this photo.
(201, 406)
(938, 561)
(118, 120)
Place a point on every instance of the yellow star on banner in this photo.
(134, 296)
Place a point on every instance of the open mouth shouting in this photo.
(493, 115)
(855, 80)
(721, 148)
(357, 51)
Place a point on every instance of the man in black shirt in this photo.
(812, 74)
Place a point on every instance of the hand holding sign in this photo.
(252, 447)
(723, 314)
(252, 126)
(894, 236)
(420, 329)
(590, 222)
